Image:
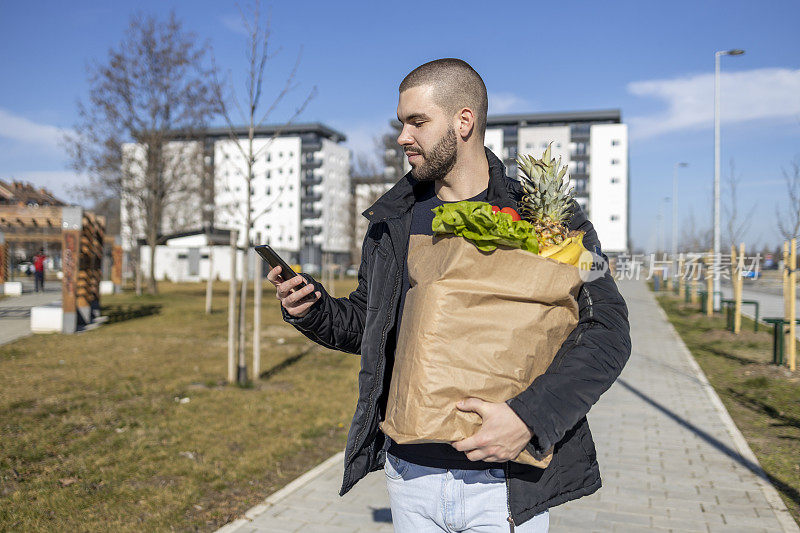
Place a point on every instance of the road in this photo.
(15, 311)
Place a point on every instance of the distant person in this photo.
(38, 270)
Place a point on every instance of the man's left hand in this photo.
(503, 435)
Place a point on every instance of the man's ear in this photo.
(466, 123)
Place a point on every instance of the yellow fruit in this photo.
(568, 251)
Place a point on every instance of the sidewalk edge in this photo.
(281, 494)
(770, 492)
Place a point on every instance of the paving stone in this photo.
(667, 460)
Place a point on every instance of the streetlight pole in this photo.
(661, 241)
(675, 216)
(717, 257)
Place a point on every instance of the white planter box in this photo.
(12, 288)
(106, 287)
(47, 319)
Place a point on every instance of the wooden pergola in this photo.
(80, 234)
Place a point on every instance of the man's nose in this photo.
(404, 139)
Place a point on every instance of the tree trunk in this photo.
(232, 313)
(210, 279)
(257, 289)
(138, 271)
(152, 240)
(242, 371)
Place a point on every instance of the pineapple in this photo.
(547, 203)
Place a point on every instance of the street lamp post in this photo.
(660, 240)
(717, 258)
(675, 216)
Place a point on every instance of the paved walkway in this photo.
(15, 311)
(670, 458)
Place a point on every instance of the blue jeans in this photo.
(426, 499)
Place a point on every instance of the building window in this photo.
(615, 161)
(614, 218)
(280, 155)
(614, 180)
(269, 157)
(615, 142)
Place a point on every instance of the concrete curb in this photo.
(770, 493)
(283, 493)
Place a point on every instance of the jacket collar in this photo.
(401, 197)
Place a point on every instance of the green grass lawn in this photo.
(762, 398)
(131, 427)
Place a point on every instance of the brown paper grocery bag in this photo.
(475, 324)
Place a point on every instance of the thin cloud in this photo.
(506, 103)
(770, 93)
(17, 128)
(234, 24)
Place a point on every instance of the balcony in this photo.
(310, 213)
(311, 197)
(310, 231)
(311, 179)
(313, 146)
(312, 163)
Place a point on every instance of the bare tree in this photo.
(789, 221)
(736, 226)
(372, 174)
(152, 90)
(696, 238)
(258, 54)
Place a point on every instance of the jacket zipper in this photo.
(508, 499)
(381, 363)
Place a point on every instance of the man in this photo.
(469, 485)
(38, 270)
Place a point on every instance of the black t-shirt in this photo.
(433, 455)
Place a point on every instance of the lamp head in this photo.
(735, 52)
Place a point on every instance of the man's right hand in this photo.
(296, 302)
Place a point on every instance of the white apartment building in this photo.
(594, 145)
(299, 192)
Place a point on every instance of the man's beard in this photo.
(440, 160)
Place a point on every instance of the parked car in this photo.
(25, 267)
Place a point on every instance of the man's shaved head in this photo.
(456, 85)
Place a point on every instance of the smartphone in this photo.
(273, 259)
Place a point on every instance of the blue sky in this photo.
(652, 60)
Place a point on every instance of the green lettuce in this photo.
(475, 222)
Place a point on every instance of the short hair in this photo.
(456, 85)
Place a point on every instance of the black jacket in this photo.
(554, 406)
